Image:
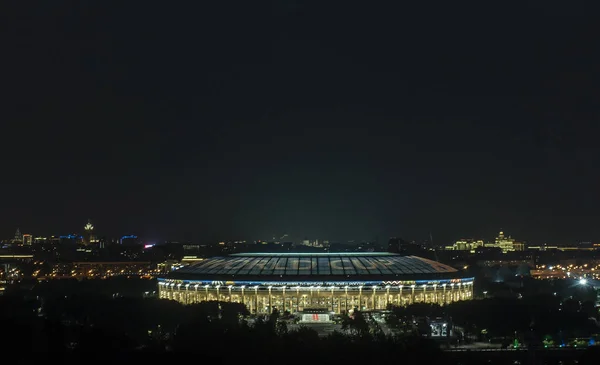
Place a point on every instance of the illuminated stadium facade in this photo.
(337, 282)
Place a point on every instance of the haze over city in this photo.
(275, 119)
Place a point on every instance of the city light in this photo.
(582, 281)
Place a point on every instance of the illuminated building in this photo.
(506, 244)
(314, 243)
(18, 237)
(89, 233)
(466, 244)
(40, 240)
(70, 240)
(338, 282)
(118, 268)
(130, 240)
(590, 247)
(27, 239)
(102, 270)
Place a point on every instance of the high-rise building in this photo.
(89, 233)
(18, 237)
(27, 239)
(507, 244)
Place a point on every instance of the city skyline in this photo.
(88, 231)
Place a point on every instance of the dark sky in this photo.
(323, 119)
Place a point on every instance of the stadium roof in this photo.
(309, 266)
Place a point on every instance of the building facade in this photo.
(507, 244)
(466, 244)
(27, 239)
(337, 282)
(90, 237)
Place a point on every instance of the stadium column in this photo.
(400, 294)
(318, 296)
(206, 292)
(412, 295)
(425, 293)
(243, 296)
(360, 298)
(435, 294)
(218, 293)
(373, 298)
(229, 287)
(332, 306)
(297, 298)
(283, 296)
(270, 301)
(256, 299)
(444, 293)
(387, 296)
(346, 305)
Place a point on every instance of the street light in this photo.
(582, 281)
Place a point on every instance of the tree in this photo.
(281, 328)
(356, 324)
(589, 308)
(274, 316)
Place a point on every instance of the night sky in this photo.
(345, 120)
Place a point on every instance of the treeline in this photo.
(215, 331)
(531, 318)
(62, 319)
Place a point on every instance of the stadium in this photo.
(336, 282)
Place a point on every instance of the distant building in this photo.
(131, 240)
(40, 240)
(502, 242)
(27, 239)
(342, 247)
(466, 244)
(394, 245)
(578, 247)
(398, 245)
(314, 243)
(507, 244)
(18, 237)
(70, 240)
(89, 237)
